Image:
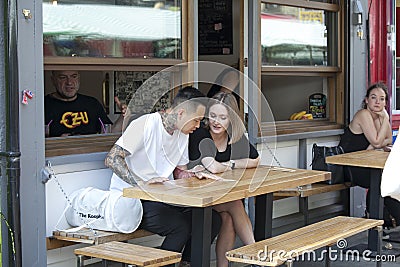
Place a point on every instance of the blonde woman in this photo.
(219, 146)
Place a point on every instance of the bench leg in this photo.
(79, 261)
(379, 249)
(303, 208)
(345, 196)
(289, 263)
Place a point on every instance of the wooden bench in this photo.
(288, 246)
(88, 236)
(306, 191)
(128, 254)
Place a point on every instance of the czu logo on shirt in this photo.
(74, 119)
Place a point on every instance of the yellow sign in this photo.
(311, 16)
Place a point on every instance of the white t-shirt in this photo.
(153, 151)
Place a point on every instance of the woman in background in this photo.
(227, 82)
(370, 129)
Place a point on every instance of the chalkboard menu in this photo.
(215, 27)
(317, 105)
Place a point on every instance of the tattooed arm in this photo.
(115, 160)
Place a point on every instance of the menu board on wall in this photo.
(317, 105)
(215, 27)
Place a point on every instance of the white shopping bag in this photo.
(390, 184)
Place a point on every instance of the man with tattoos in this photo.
(148, 151)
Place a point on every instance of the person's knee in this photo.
(227, 221)
(176, 235)
(165, 220)
(182, 228)
(237, 204)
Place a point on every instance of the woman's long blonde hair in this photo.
(236, 127)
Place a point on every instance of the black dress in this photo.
(201, 145)
(351, 142)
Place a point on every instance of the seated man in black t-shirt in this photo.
(69, 113)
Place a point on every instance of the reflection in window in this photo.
(129, 28)
(292, 36)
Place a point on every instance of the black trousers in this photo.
(175, 223)
(362, 177)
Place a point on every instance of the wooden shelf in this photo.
(61, 146)
(293, 127)
(299, 71)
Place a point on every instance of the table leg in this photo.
(201, 237)
(375, 206)
(303, 208)
(263, 220)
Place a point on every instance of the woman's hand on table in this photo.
(197, 168)
(157, 180)
(207, 175)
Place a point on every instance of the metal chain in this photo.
(277, 161)
(273, 155)
(10, 231)
(53, 175)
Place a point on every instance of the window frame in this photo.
(60, 146)
(304, 69)
(334, 74)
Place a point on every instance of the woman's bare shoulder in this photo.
(362, 114)
(359, 119)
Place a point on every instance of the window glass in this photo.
(293, 36)
(112, 28)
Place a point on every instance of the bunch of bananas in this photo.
(302, 115)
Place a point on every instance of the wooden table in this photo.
(375, 160)
(260, 182)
